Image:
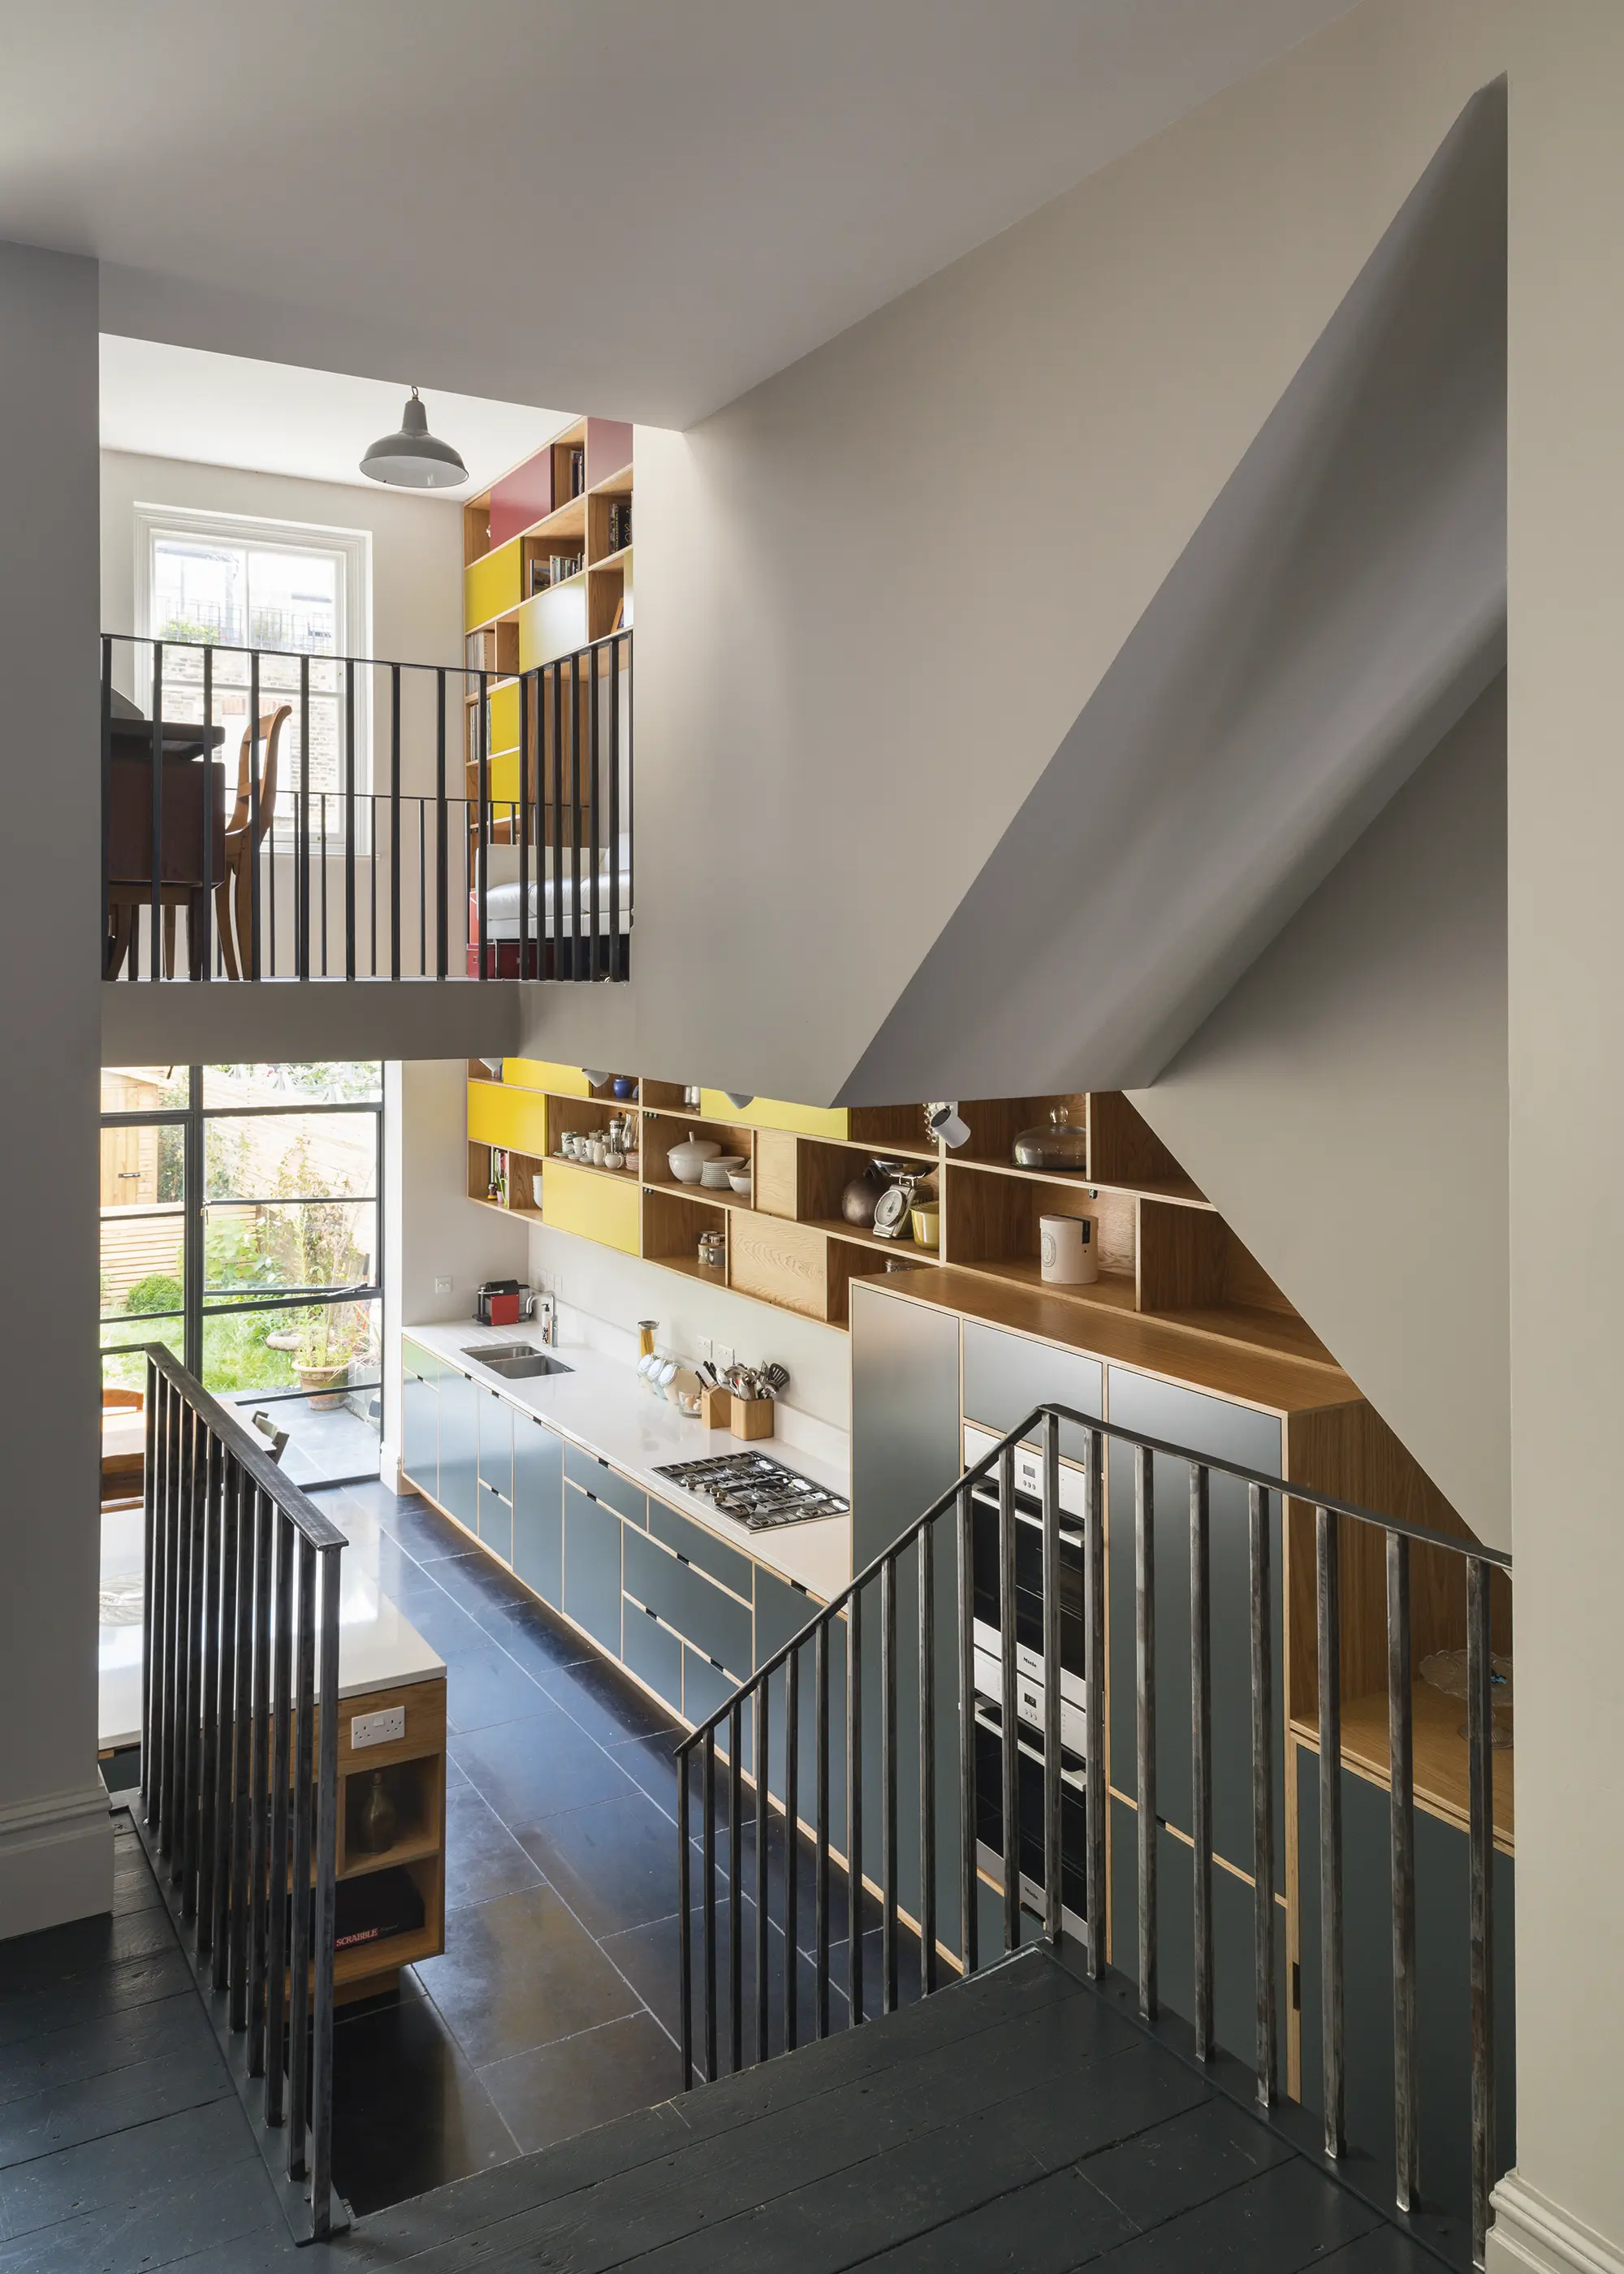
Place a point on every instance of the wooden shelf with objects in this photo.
(391, 1890)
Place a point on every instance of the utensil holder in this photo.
(752, 1417)
(717, 1404)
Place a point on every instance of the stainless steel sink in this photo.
(518, 1362)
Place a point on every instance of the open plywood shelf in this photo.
(1438, 1749)
(1165, 1254)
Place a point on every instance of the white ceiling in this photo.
(640, 207)
(226, 411)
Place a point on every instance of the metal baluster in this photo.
(1009, 1715)
(484, 823)
(927, 1762)
(1402, 1846)
(888, 1785)
(1480, 1819)
(209, 1823)
(853, 1806)
(1262, 1788)
(107, 850)
(192, 1669)
(1201, 1752)
(593, 793)
(631, 800)
(282, 1770)
(372, 887)
(304, 1773)
(252, 943)
(523, 829)
(395, 821)
(1327, 1593)
(241, 1730)
(968, 1904)
(260, 1787)
(349, 819)
(763, 1763)
(556, 674)
(685, 1924)
(423, 888)
(173, 1656)
(574, 815)
(326, 1920)
(442, 851)
(735, 1882)
(615, 972)
(198, 950)
(708, 1837)
(322, 795)
(157, 811)
(792, 1847)
(819, 1886)
(1144, 1719)
(1094, 1610)
(151, 1720)
(1051, 1676)
(301, 894)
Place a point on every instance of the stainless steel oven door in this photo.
(989, 1816)
(1029, 1594)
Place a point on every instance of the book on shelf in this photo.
(577, 472)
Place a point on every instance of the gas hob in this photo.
(756, 1491)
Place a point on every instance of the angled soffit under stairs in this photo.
(1339, 607)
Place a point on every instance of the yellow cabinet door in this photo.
(504, 716)
(491, 586)
(502, 773)
(541, 1073)
(499, 1115)
(590, 1204)
(773, 1113)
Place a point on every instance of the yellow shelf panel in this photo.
(832, 1121)
(494, 586)
(504, 716)
(591, 1206)
(541, 1073)
(501, 1114)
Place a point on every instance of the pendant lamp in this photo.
(414, 459)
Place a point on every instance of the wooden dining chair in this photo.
(234, 894)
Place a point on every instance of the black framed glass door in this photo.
(241, 1213)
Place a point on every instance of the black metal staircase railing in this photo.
(238, 1801)
(325, 817)
(939, 1662)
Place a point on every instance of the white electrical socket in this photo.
(386, 1727)
(705, 1350)
(724, 1357)
(442, 1285)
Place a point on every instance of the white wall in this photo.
(1345, 1107)
(874, 592)
(56, 1841)
(431, 1229)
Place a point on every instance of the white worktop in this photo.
(603, 1406)
(378, 1649)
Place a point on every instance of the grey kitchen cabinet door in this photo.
(459, 1447)
(782, 1611)
(420, 1418)
(653, 1653)
(905, 1439)
(1212, 1426)
(538, 1508)
(1006, 1375)
(592, 1568)
(495, 1522)
(496, 1419)
(1443, 1983)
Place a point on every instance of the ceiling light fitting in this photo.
(414, 459)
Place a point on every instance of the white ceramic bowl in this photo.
(687, 1160)
(740, 1179)
(717, 1171)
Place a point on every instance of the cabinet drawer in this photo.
(592, 1569)
(495, 1522)
(704, 1688)
(605, 1483)
(543, 1074)
(687, 1600)
(499, 1115)
(538, 1508)
(496, 1442)
(777, 1113)
(504, 709)
(653, 1654)
(492, 585)
(700, 1546)
(592, 1206)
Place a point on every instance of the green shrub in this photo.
(158, 1292)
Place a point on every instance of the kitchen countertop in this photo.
(602, 1406)
(378, 1649)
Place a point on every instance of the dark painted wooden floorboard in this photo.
(104, 2174)
(55, 2058)
(1284, 2220)
(115, 1988)
(1059, 2223)
(186, 2075)
(165, 2224)
(1200, 2155)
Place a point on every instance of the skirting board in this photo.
(55, 1859)
(1530, 2231)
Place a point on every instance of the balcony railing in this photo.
(322, 816)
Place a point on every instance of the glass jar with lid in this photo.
(1057, 1144)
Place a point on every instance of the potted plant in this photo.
(322, 1351)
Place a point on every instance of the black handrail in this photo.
(880, 1576)
(574, 761)
(239, 1763)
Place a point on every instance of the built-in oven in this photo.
(1029, 1802)
(1030, 1670)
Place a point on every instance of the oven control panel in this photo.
(1028, 1470)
